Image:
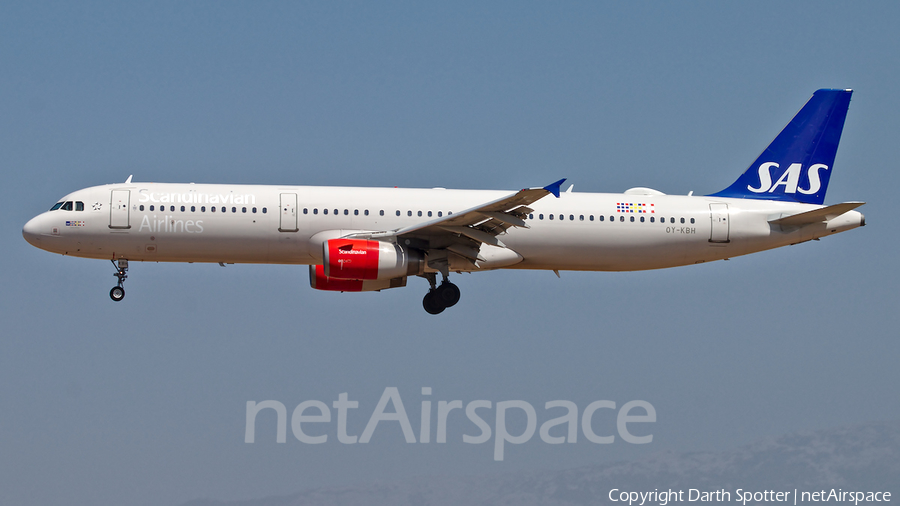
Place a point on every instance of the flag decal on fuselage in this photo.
(633, 207)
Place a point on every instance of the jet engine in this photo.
(366, 260)
(360, 265)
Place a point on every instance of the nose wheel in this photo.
(117, 292)
(440, 297)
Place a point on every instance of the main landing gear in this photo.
(440, 297)
(118, 292)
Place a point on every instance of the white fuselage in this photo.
(288, 225)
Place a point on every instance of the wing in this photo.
(462, 234)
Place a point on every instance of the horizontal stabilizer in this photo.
(816, 216)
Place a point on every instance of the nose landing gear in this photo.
(117, 292)
(440, 297)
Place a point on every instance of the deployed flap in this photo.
(817, 215)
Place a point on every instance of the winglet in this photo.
(554, 187)
(128, 181)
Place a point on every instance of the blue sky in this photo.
(143, 402)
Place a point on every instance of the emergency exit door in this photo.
(288, 210)
(718, 213)
(119, 209)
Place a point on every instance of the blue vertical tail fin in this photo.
(797, 165)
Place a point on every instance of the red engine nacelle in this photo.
(361, 259)
(319, 281)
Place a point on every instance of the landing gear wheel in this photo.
(117, 293)
(432, 303)
(448, 293)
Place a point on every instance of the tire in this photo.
(117, 293)
(448, 293)
(432, 303)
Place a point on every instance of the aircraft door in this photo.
(718, 214)
(288, 210)
(119, 203)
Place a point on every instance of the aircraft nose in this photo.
(32, 231)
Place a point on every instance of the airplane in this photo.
(372, 239)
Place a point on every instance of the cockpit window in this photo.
(67, 206)
(57, 206)
(79, 206)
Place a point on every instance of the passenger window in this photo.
(632, 219)
(398, 212)
(601, 217)
(652, 219)
(682, 220)
(420, 213)
(193, 209)
(429, 214)
(562, 217)
(264, 210)
(692, 220)
(540, 216)
(572, 217)
(551, 216)
(440, 214)
(182, 208)
(152, 208)
(324, 211)
(244, 210)
(592, 217)
(305, 210)
(366, 212)
(223, 209)
(356, 212)
(409, 213)
(212, 209)
(202, 209)
(671, 220)
(621, 218)
(346, 212)
(581, 217)
(642, 219)
(315, 210)
(142, 207)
